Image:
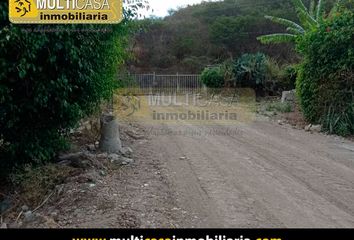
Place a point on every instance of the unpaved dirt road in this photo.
(256, 175)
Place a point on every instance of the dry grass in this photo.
(35, 183)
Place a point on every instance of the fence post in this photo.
(153, 82)
(177, 83)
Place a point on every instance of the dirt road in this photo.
(256, 175)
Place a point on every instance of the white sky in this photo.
(161, 7)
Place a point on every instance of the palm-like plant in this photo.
(309, 18)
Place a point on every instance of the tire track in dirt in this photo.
(268, 176)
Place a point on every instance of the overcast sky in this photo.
(161, 7)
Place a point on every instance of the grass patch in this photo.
(279, 107)
(34, 183)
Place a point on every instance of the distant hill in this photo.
(205, 34)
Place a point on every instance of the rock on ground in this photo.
(288, 96)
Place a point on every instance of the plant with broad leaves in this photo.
(309, 19)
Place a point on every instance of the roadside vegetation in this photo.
(326, 72)
(49, 80)
(325, 84)
(270, 46)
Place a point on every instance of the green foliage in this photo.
(279, 107)
(277, 38)
(216, 31)
(279, 77)
(226, 31)
(227, 68)
(50, 80)
(264, 74)
(288, 76)
(182, 47)
(250, 71)
(213, 77)
(307, 18)
(326, 76)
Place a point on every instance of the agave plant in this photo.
(308, 17)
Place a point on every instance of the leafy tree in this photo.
(229, 32)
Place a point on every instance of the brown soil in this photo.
(259, 174)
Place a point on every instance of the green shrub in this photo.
(213, 77)
(288, 76)
(50, 80)
(227, 70)
(250, 71)
(326, 76)
(278, 78)
(273, 77)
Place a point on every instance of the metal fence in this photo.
(166, 83)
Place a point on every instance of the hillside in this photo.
(199, 35)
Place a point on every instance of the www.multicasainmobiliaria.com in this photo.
(207, 237)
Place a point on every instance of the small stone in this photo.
(113, 157)
(120, 160)
(91, 147)
(182, 158)
(24, 208)
(91, 185)
(316, 128)
(126, 161)
(87, 126)
(280, 122)
(313, 128)
(84, 164)
(29, 216)
(55, 215)
(308, 128)
(103, 173)
(102, 155)
(270, 113)
(288, 96)
(126, 151)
